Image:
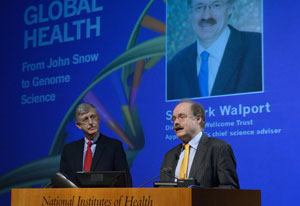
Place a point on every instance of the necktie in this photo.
(203, 74)
(184, 163)
(88, 158)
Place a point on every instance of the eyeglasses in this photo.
(214, 7)
(180, 117)
(86, 120)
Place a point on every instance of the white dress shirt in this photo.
(93, 147)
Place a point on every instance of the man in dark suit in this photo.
(209, 161)
(95, 152)
(234, 57)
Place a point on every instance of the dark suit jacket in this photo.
(109, 156)
(240, 70)
(214, 164)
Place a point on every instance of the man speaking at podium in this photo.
(94, 152)
(209, 161)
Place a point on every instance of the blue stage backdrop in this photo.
(57, 54)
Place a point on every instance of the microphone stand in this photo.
(163, 171)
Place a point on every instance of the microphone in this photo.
(165, 170)
(168, 171)
(60, 181)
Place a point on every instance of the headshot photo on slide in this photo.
(214, 48)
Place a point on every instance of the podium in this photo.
(135, 197)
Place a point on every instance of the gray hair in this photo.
(83, 109)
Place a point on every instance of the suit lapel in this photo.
(230, 63)
(100, 145)
(190, 71)
(79, 155)
(176, 158)
(200, 154)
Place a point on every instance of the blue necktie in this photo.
(203, 74)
